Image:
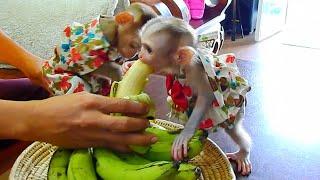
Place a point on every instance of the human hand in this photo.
(179, 148)
(83, 120)
(126, 66)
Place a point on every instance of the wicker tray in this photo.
(33, 162)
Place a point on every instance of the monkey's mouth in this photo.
(134, 57)
(121, 60)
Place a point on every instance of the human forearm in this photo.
(75, 120)
(15, 55)
(13, 119)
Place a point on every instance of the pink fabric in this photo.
(196, 8)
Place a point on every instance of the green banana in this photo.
(187, 172)
(111, 167)
(161, 150)
(131, 87)
(132, 158)
(163, 138)
(184, 172)
(81, 166)
(59, 164)
(144, 98)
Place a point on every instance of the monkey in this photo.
(86, 58)
(169, 46)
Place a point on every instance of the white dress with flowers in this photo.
(229, 89)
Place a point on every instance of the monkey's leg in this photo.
(243, 140)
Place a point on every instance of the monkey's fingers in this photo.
(177, 154)
(242, 166)
(232, 156)
(247, 169)
(185, 147)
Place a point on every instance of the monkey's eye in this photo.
(148, 48)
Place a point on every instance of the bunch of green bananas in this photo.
(69, 164)
(79, 165)
(127, 166)
(152, 162)
(161, 150)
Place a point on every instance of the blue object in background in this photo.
(248, 16)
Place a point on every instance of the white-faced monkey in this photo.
(169, 46)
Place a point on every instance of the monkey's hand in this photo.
(242, 159)
(179, 148)
(125, 66)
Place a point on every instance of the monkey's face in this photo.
(157, 51)
(128, 40)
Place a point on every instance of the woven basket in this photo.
(33, 162)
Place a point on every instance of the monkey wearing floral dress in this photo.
(169, 46)
(85, 59)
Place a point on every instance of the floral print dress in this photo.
(229, 89)
(82, 50)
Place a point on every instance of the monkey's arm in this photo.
(202, 104)
(180, 145)
(15, 55)
(198, 79)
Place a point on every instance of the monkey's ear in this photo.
(123, 18)
(184, 55)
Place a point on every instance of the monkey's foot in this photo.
(243, 161)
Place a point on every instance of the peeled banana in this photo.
(133, 81)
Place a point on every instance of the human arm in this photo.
(75, 120)
(15, 55)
